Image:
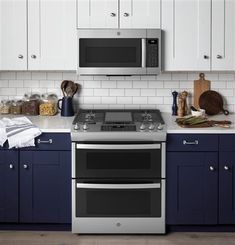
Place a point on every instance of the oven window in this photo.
(118, 203)
(110, 52)
(107, 164)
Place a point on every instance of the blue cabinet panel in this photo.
(192, 142)
(45, 186)
(227, 142)
(227, 188)
(192, 182)
(8, 186)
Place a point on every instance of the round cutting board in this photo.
(212, 102)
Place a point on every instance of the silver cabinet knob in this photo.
(112, 14)
(226, 168)
(33, 56)
(212, 168)
(25, 166)
(20, 56)
(206, 57)
(219, 56)
(125, 14)
(11, 166)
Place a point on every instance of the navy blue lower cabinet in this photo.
(45, 186)
(8, 186)
(192, 188)
(227, 188)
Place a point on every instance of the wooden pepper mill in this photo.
(180, 106)
(174, 106)
(184, 95)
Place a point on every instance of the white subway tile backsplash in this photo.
(116, 92)
(130, 92)
(16, 83)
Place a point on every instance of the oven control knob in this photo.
(76, 126)
(142, 126)
(151, 126)
(85, 126)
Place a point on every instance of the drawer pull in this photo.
(212, 168)
(195, 142)
(226, 168)
(11, 166)
(45, 141)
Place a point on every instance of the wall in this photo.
(117, 92)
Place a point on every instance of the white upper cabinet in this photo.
(223, 35)
(186, 34)
(140, 14)
(118, 13)
(38, 35)
(97, 13)
(52, 35)
(13, 35)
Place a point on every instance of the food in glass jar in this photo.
(16, 107)
(48, 107)
(5, 107)
(31, 107)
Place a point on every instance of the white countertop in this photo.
(58, 124)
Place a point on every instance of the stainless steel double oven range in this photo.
(118, 172)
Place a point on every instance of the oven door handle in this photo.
(118, 147)
(118, 186)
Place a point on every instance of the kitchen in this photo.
(33, 61)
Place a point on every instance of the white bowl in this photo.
(199, 113)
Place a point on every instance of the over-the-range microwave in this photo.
(119, 51)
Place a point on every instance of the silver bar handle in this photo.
(119, 186)
(195, 142)
(143, 44)
(50, 141)
(118, 147)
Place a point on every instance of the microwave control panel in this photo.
(152, 52)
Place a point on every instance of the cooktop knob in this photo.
(151, 126)
(160, 126)
(85, 126)
(76, 126)
(142, 126)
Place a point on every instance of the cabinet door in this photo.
(227, 188)
(13, 34)
(186, 37)
(97, 13)
(192, 180)
(140, 13)
(52, 35)
(223, 35)
(8, 186)
(45, 186)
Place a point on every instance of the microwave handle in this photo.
(118, 186)
(143, 44)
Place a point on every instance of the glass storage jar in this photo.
(16, 107)
(48, 106)
(31, 104)
(5, 107)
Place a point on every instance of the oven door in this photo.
(118, 208)
(118, 161)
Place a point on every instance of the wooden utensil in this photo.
(212, 102)
(200, 86)
(69, 88)
(63, 86)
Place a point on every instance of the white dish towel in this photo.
(19, 131)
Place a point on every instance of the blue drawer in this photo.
(227, 142)
(192, 142)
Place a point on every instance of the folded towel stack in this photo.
(20, 132)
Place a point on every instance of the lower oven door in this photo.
(118, 208)
(132, 161)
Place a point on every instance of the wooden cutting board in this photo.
(200, 86)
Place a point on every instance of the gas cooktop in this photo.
(131, 124)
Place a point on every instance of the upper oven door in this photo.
(119, 161)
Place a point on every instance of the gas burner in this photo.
(90, 117)
(147, 117)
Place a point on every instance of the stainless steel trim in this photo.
(118, 147)
(73, 152)
(163, 155)
(195, 142)
(118, 186)
(143, 47)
